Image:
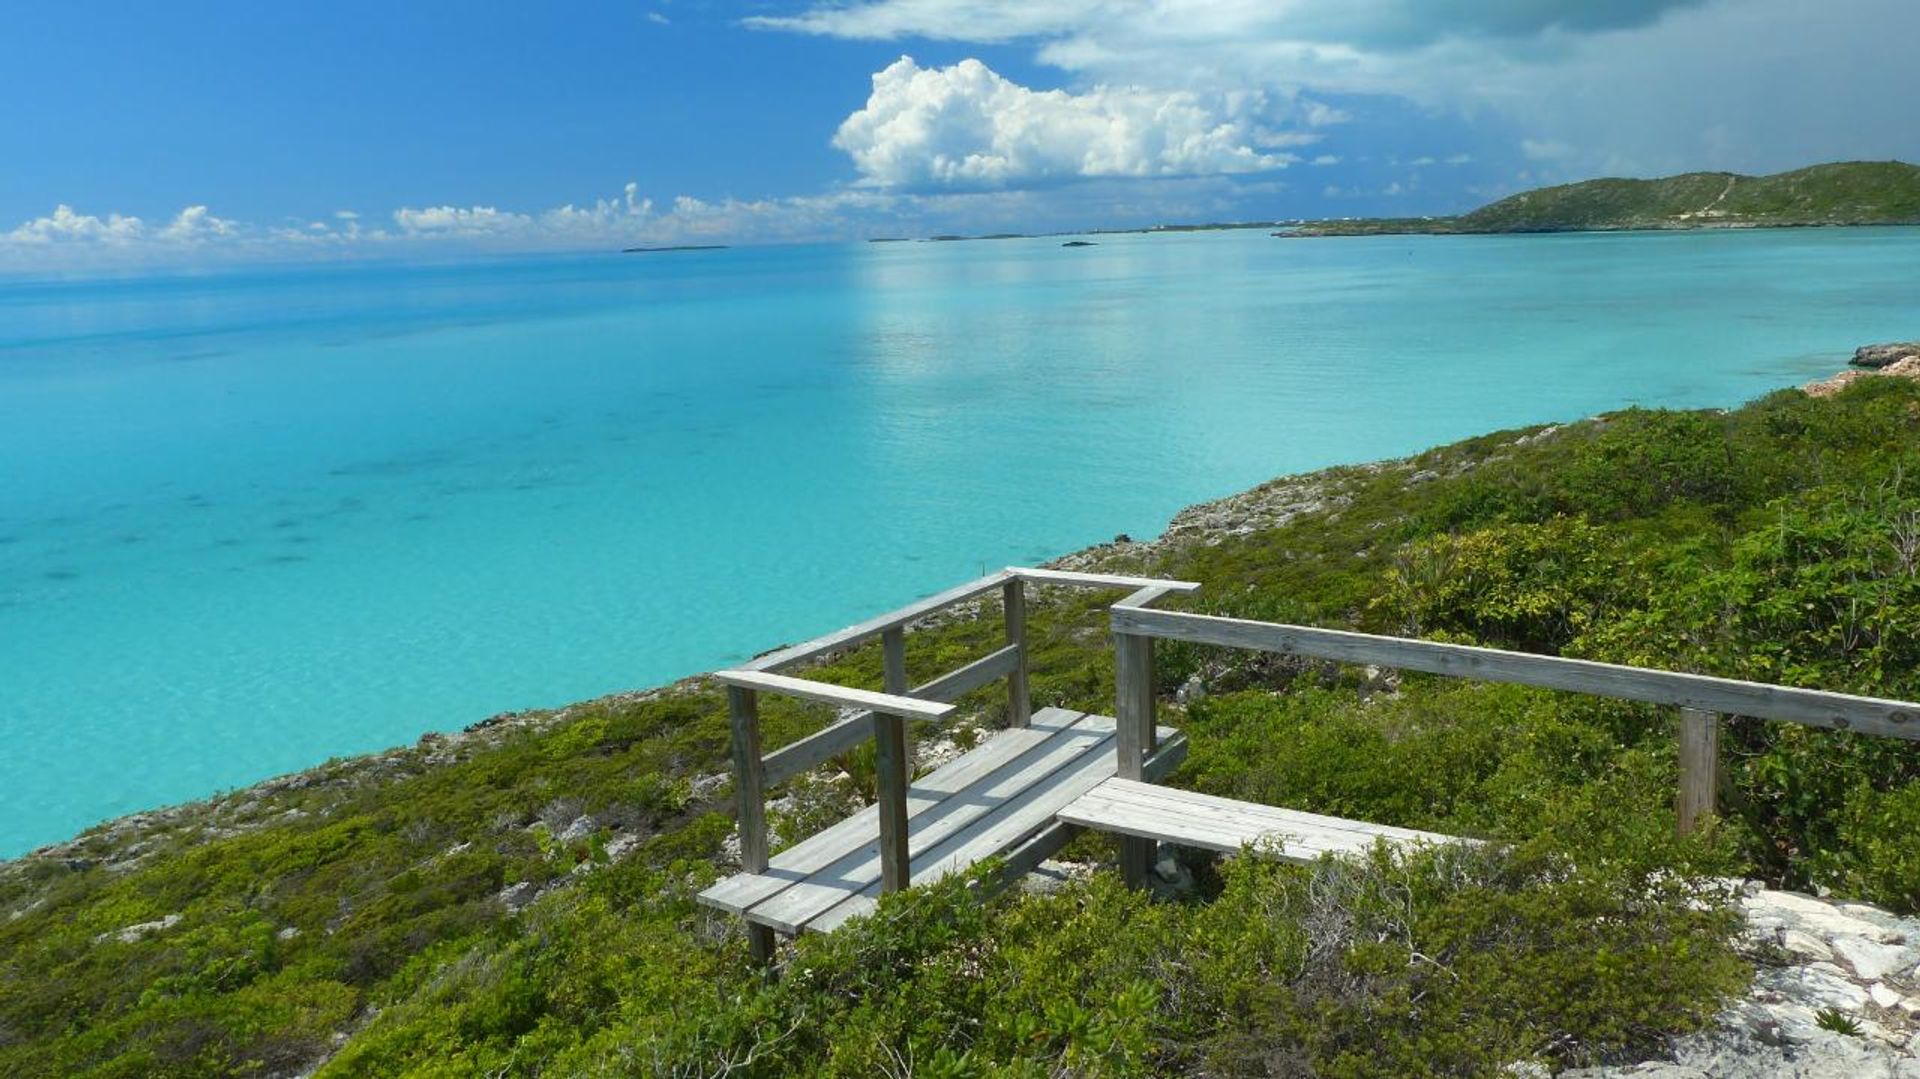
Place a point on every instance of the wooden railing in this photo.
(1703, 700)
(884, 715)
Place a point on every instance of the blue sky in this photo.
(208, 129)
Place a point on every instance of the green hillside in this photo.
(1848, 193)
(519, 900)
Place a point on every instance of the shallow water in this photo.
(248, 522)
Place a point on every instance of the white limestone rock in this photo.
(1812, 956)
(131, 933)
(1872, 960)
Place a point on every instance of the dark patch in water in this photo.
(299, 539)
(4, 540)
(227, 541)
(131, 538)
(392, 466)
(286, 522)
(350, 505)
(412, 517)
(61, 574)
(287, 559)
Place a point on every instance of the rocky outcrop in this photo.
(1879, 356)
(1904, 367)
(1835, 995)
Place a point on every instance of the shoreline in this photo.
(240, 809)
(1319, 231)
(1270, 504)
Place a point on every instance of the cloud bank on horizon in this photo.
(1190, 109)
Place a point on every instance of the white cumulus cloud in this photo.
(967, 126)
(1625, 86)
(451, 220)
(66, 224)
(195, 224)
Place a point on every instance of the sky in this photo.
(197, 131)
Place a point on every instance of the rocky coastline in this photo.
(1900, 359)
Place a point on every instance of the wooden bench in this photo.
(1146, 811)
(1001, 797)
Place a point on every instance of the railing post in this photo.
(890, 752)
(1019, 703)
(1699, 768)
(749, 785)
(1133, 713)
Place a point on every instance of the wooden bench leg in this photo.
(760, 943)
(1136, 860)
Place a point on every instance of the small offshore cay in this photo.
(1022, 793)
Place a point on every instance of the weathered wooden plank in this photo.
(1024, 827)
(1133, 702)
(987, 834)
(1699, 768)
(1728, 696)
(1007, 825)
(1014, 606)
(739, 892)
(1199, 820)
(1224, 824)
(844, 696)
(1027, 856)
(1047, 842)
(890, 765)
(1133, 740)
(792, 909)
(1176, 801)
(1146, 597)
(1099, 580)
(749, 783)
(963, 680)
(830, 741)
(1170, 749)
(824, 744)
(781, 658)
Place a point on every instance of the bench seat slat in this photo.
(1130, 807)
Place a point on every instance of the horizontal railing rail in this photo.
(1702, 699)
(842, 639)
(1709, 693)
(831, 741)
(840, 696)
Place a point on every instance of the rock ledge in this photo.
(1818, 965)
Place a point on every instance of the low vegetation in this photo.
(1841, 193)
(521, 903)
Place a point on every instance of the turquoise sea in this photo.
(252, 520)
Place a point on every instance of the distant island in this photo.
(1208, 226)
(1844, 193)
(673, 247)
